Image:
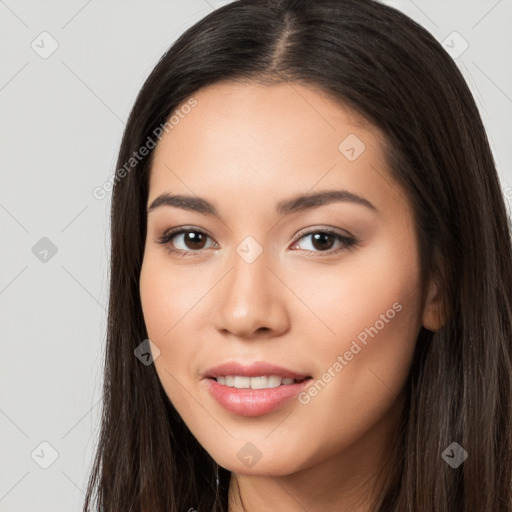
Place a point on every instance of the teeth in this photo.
(262, 382)
(242, 382)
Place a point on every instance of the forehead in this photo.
(245, 115)
(285, 138)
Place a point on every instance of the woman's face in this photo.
(323, 287)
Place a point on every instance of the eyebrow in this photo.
(286, 207)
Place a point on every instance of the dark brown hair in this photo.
(392, 72)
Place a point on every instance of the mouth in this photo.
(254, 390)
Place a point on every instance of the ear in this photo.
(433, 316)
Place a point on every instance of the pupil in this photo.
(193, 238)
(321, 236)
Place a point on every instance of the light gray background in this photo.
(61, 121)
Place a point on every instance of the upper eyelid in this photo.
(323, 229)
(305, 231)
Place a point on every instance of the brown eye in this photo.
(324, 241)
(184, 240)
(194, 240)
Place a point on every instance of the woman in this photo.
(311, 275)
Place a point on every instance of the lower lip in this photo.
(254, 402)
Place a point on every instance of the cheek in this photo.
(374, 295)
(375, 316)
(366, 357)
(373, 319)
(169, 295)
(159, 289)
(171, 304)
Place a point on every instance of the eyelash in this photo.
(348, 242)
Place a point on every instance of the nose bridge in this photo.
(248, 282)
(251, 297)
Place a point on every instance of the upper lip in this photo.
(252, 370)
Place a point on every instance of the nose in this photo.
(251, 300)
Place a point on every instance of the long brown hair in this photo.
(390, 70)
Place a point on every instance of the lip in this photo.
(252, 370)
(253, 402)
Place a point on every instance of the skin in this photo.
(245, 147)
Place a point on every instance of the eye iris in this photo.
(321, 237)
(192, 237)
